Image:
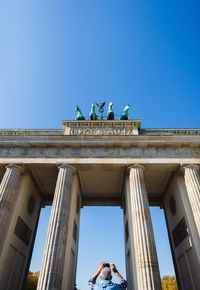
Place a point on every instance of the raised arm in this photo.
(92, 281)
(123, 283)
(96, 274)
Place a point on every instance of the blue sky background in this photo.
(56, 54)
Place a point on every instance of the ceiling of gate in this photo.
(100, 184)
(103, 184)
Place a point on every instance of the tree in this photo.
(169, 283)
(32, 280)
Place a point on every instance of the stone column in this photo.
(192, 182)
(51, 273)
(146, 262)
(8, 196)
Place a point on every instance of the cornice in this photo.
(31, 132)
(61, 132)
(170, 132)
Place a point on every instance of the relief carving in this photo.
(102, 131)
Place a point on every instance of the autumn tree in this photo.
(169, 283)
(32, 280)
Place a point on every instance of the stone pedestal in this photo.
(146, 263)
(8, 196)
(192, 182)
(51, 274)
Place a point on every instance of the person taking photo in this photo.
(104, 272)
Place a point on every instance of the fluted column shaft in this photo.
(192, 182)
(8, 195)
(55, 248)
(146, 262)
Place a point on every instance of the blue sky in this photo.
(56, 54)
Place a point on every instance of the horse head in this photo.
(93, 107)
(77, 109)
(126, 108)
(110, 106)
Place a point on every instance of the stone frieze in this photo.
(99, 152)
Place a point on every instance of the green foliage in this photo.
(169, 283)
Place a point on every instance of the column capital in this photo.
(17, 166)
(67, 166)
(189, 166)
(135, 166)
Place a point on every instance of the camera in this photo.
(107, 265)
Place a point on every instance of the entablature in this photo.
(100, 139)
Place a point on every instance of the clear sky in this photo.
(56, 54)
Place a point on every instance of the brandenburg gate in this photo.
(100, 162)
